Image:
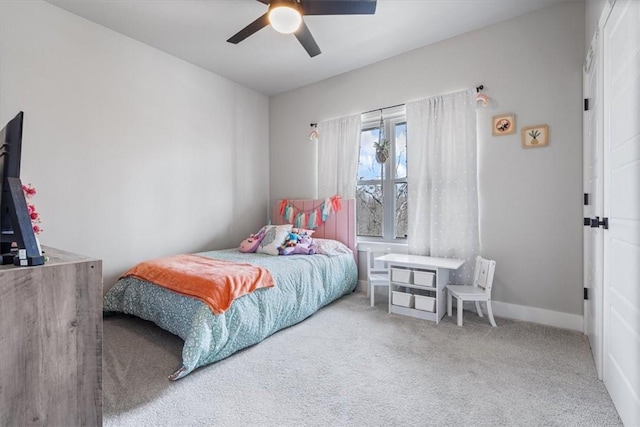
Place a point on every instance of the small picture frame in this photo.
(503, 124)
(535, 136)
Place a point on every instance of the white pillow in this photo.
(330, 247)
(274, 237)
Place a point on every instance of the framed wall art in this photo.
(535, 136)
(504, 124)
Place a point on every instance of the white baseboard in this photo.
(524, 313)
(538, 315)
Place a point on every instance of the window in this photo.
(381, 193)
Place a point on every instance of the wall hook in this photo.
(314, 134)
(481, 97)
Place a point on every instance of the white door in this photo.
(593, 188)
(621, 39)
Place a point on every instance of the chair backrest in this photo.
(483, 275)
(374, 266)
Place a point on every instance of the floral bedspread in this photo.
(304, 284)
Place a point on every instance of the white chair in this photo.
(377, 272)
(479, 291)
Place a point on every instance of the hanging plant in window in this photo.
(382, 146)
(382, 151)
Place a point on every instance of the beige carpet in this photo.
(354, 365)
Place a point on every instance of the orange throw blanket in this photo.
(216, 283)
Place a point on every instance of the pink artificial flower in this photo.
(29, 191)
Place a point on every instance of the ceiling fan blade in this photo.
(307, 41)
(255, 26)
(265, 1)
(338, 7)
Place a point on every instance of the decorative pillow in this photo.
(250, 244)
(330, 247)
(274, 237)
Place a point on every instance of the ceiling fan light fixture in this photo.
(286, 16)
(285, 19)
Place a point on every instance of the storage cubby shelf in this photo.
(420, 314)
(424, 269)
(413, 286)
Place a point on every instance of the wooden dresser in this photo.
(51, 342)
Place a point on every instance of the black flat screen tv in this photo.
(10, 155)
(15, 223)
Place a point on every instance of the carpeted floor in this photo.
(354, 365)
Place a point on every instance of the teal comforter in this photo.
(304, 284)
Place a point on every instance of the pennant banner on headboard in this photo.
(310, 218)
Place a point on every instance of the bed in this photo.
(303, 285)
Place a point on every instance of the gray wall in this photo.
(530, 200)
(134, 153)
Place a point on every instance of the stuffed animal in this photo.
(251, 243)
(292, 239)
(302, 231)
(304, 246)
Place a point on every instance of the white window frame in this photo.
(391, 118)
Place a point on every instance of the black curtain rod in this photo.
(478, 89)
(383, 108)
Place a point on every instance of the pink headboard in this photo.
(340, 225)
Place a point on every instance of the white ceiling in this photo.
(272, 63)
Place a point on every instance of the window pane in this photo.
(368, 168)
(401, 210)
(401, 150)
(369, 211)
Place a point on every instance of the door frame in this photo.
(596, 53)
(593, 238)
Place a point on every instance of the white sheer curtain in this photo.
(338, 148)
(442, 178)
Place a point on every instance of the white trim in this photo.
(606, 12)
(372, 118)
(400, 248)
(523, 313)
(538, 315)
(584, 319)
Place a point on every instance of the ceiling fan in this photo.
(285, 16)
